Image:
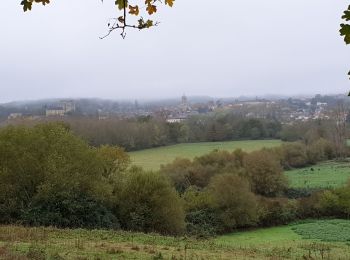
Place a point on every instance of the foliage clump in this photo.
(50, 177)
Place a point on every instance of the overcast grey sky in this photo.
(237, 47)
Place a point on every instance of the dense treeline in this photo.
(224, 191)
(147, 132)
(50, 177)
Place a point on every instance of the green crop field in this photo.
(336, 230)
(333, 230)
(151, 159)
(320, 239)
(323, 175)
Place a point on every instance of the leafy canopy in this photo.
(345, 28)
(136, 8)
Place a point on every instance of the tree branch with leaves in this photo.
(345, 28)
(127, 8)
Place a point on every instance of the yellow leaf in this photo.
(134, 10)
(169, 2)
(151, 9)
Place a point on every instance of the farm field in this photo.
(322, 175)
(297, 241)
(151, 159)
(329, 230)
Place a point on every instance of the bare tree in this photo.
(339, 129)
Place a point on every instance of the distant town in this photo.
(285, 110)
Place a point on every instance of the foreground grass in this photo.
(298, 241)
(323, 175)
(151, 159)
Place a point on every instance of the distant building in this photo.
(184, 106)
(55, 111)
(184, 100)
(68, 105)
(65, 107)
(174, 120)
(102, 115)
(14, 116)
(177, 119)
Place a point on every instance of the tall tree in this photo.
(339, 130)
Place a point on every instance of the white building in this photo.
(14, 116)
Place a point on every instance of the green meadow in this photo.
(151, 159)
(332, 230)
(323, 175)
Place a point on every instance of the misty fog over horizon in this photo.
(249, 48)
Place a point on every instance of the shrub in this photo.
(235, 204)
(265, 173)
(69, 210)
(309, 207)
(294, 155)
(149, 203)
(203, 223)
(178, 172)
(320, 150)
(277, 211)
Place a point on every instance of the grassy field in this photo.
(298, 241)
(323, 175)
(332, 230)
(151, 159)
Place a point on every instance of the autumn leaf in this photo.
(134, 10)
(151, 9)
(121, 19)
(169, 2)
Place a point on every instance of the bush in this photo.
(203, 223)
(149, 203)
(69, 210)
(184, 173)
(178, 172)
(277, 211)
(235, 204)
(336, 202)
(320, 150)
(294, 155)
(309, 207)
(265, 173)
